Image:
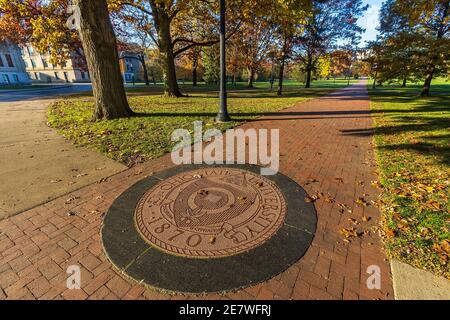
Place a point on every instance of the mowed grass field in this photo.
(413, 152)
(147, 135)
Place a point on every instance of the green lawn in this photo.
(413, 153)
(147, 135)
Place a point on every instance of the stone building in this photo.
(12, 67)
(131, 66)
(41, 70)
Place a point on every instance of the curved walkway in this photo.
(37, 164)
(326, 147)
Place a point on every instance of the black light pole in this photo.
(223, 116)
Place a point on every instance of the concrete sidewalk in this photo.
(37, 164)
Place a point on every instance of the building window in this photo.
(30, 50)
(33, 63)
(36, 76)
(63, 65)
(1, 62)
(30, 76)
(83, 76)
(56, 75)
(26, 64)
(44, 62)
(66, 77)
(15, 78)
(9, 60)
(6, 79)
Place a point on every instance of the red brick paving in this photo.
(324, 147)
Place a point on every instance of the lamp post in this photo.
(222, 116)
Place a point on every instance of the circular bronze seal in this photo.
(210, 213)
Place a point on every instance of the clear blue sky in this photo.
(370, 20)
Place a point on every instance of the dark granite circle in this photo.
(136, 258)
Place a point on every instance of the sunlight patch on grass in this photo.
(413, 153)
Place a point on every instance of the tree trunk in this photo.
(153, 78)
(431, 69)
(251, 75)
(144, 66)
(308, 72)
(280, 78)
(272, 80)
(281, 73)
(194, 67)
(308, 78)
(374, 85)
(194, 76)
(100, 48)
(404, 82)
(428, 78)
(162, 25)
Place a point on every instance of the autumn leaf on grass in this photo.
(403, 225)
(376, 184)
(445, 245)
(425, 232)
(105, 132)
(443, 250)
(390, 233)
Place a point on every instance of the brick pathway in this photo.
(323, 147)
